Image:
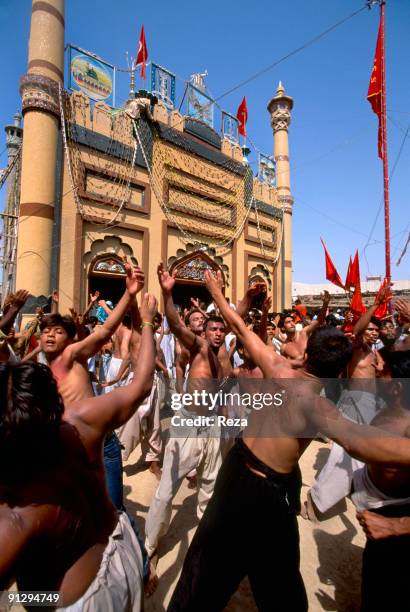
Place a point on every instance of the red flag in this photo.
(355, 271)
(332, 274)
(382, 311)
(242, 116)
(374, 94)
(356, 305)
(348, 282)
(142, 54)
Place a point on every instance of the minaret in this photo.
(14, 135)
(39, 90)
(279, 108)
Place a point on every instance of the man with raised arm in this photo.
(68, 359)
(58, 528)
(295, 346)
(357, 402)
(256, 497)
(189, 447)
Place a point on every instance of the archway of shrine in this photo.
(190, 281)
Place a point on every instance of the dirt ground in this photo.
(331, 550)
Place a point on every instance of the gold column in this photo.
(279, 108)
(39, 90)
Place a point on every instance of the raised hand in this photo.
(212, 282)
(384, 295)
(20, 298)
(256, 288)
(94, 296)
(325, 297)
(195, 302)
(403, 308)
(135, 280)
(166, 280)
(148, 308)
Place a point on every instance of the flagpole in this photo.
(385, 157)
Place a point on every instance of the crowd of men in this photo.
(79, 392)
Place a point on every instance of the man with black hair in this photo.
(366, 363)
(191, 447)
(294, 346)
(260, 480)
(58, 528)
(68, 359)
(389, 336)
(358, 403)
(381, 495)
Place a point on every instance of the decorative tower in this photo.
(279, 108)
(39, 90)
(14, 135)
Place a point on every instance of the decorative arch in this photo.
(190, 268)
(107, 265)
(204, 253)
(260, 272)
(111, 247)
(103, 267)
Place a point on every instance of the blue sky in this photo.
(336, 175)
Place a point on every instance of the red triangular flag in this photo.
(142, 54)
(374, 94)
(355, 271)
(348, 282)
(356, 305)
(242, 116)
(332, 274)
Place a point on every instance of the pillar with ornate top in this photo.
(280, 112)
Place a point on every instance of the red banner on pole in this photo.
(374, 94)
(142, 54)
(242, 117)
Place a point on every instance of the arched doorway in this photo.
(189, 274)
(107, 275)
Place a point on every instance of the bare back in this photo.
(67, 517)
(272, 432)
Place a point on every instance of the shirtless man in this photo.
(188, 448)
(194, 321)
(382, 498)
(145, 426)
(388, 335)
(68, 359)
(288, 327)
(366, 361)
(259, 482)
(358, 403)
(295, 345)
(58, 528)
